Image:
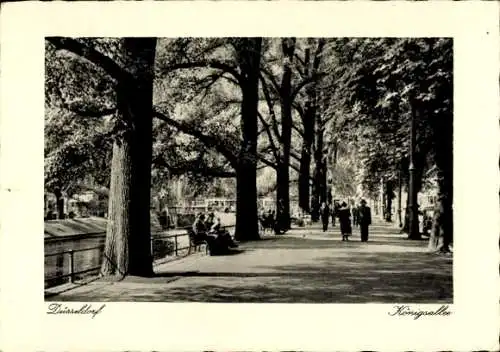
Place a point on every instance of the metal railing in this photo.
(72, 274)
(71, 266)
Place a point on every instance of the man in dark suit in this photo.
(324, 212)
(364, 220)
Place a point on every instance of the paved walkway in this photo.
(305, 265)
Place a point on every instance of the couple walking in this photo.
(361, 214)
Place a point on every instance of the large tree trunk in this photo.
(304, 175)
(128, 234)
(406, 225)
(316, 193)
(315, 204)
(329, 177)
(246, 171)
(442, 228)
(246, 200)
(382, 198)
(319, 189)
(283, 170)
(308, 122)
(319, 192)
(59, 203)
(283, 196)
(305, 160)
(323, 195)
(389, 195)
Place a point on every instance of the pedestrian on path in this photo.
(324, 211)
(345, 221)
(335, 211)
(364, 220)
(354, 214)
(332, 213)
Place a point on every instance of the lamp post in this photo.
(413, 228)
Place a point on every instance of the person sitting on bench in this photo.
(203, 234)
(223, 237)
(199, 227)
(210, 221)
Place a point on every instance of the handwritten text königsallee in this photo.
(406, 310)
(57, 308)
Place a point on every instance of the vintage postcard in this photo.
(310, 176)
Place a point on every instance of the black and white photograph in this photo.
(250, 176)
(237, 169)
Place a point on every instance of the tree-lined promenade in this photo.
(303, 266)
(311, 116)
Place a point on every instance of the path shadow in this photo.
(263, 238)
(409, 288)
(231, 251)
(197, 273)
(365, 278)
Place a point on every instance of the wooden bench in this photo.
(266, 224)
(212, 246)
(196, 242)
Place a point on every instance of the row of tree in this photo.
(405, 81)
(137, 112)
